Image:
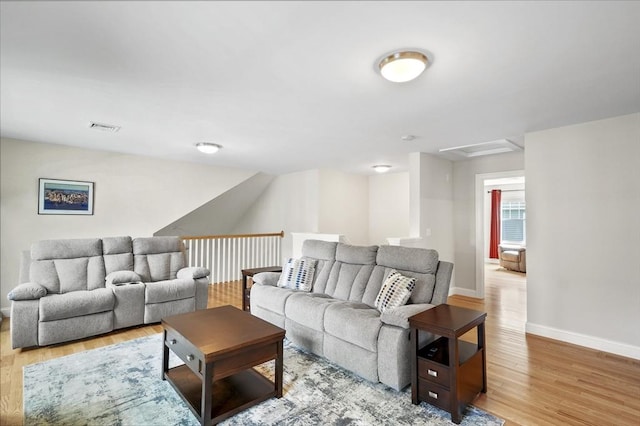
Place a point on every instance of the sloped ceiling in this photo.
(290, 86)
(220, 215)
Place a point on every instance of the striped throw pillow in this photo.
(395, 291)
(297, 274)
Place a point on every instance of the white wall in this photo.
(289, 204)
(344, 205)
(134, 195)
(431, 203)
(464, 214)
(366, 210)
(324, 201)
(388, 207)
(583, 228)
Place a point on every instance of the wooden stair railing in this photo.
(226, 255)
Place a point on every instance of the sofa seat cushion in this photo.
(354, 322)
(269, 297)
(75, 304)
(169, 290)
(308, 309)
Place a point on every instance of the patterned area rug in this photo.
(121, 385)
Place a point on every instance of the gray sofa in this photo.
(338, 318)
(76, 288)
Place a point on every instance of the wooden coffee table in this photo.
(219, 347)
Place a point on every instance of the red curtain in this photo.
(496, 196)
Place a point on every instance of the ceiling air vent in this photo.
(103, 127)
(487, 148)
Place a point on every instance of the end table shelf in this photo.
(232, 394)
(448, 372)
(249, 273)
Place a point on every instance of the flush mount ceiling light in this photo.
(208, 148)
(403, 66)
(382, 168)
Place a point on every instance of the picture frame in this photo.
(65, 197)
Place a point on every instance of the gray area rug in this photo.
(121, 385)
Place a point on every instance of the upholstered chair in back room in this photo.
(513, 257)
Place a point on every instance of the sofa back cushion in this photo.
(321, 250)
(68, 265)
(158, 258)
(118, 254)
(325, 253)
(417, 263)
(351, 272)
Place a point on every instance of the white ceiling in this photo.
(287, 86)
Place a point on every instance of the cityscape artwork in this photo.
(65, 197)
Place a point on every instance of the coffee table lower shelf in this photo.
(230, 395)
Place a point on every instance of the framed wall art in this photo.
(57, 196)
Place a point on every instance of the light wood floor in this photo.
(531, 380)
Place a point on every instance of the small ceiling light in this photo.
(403, 66)
(407, 138)
(382, 168)
(208, 148)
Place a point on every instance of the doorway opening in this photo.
(512, 222)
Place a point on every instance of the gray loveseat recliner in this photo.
(338, 318)
(76, 288)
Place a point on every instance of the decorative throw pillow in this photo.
(122, 277)
(27, 291)
(298, 274)
(395, 291)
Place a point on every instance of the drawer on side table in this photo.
(433, 372)
(434, 394)
(185, 351)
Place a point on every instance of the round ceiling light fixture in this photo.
(208, 148)
(382, 168)
(403, 66)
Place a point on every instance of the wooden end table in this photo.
(219, 347)
(246, 292)
(448, 372)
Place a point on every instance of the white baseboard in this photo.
(463, 292)
(5, 312)
(596, 343)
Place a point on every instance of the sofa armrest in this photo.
(443, 281)
(24, 323)
(193, 272)
(400, 316)
(27, 291)
(266, 278)
(507, 247)
(117, 278)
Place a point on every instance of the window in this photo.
(513, 221)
